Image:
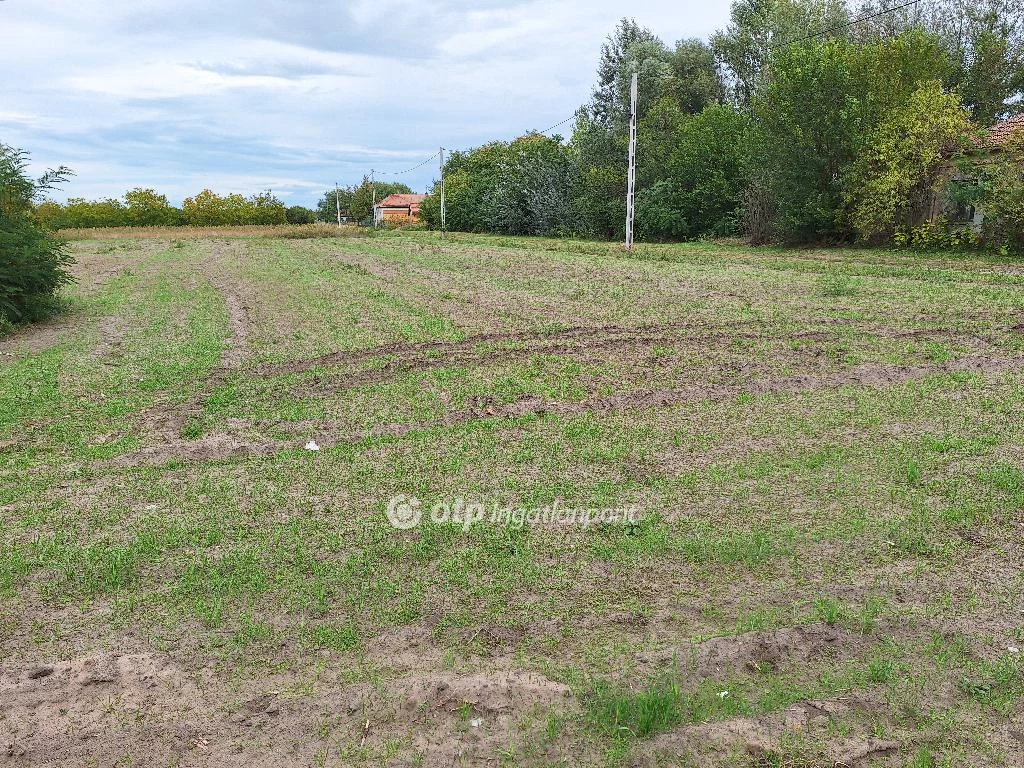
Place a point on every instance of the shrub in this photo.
(32, 261)
(937, 235)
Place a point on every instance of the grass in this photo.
(811, 454)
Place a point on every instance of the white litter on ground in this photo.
(312, 446)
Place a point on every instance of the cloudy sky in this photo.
(293, 95)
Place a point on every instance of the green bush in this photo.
(32, 261)
(937, 235)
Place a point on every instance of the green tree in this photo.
(147, 208)
(805, 133)
(298, 214)
(697, 81)
(332, 200)
(79, 212)
(609, 102)
(757, 28)
(209, 209)
(524, 187)
(984, 40)
(705, 176)
(821, 107)
(33, 264)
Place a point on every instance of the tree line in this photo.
(148, 208)
(804, 121)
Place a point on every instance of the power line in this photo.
(844, 25)
(559, 125)
(409, 170)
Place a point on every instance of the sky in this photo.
(291, 95)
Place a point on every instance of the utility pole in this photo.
(337, 202)
(373, 198)
(632, 163)
(442, 190)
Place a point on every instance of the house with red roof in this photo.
(398, 209)
(999, 134)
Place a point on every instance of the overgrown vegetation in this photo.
(32, 262)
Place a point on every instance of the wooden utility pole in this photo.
(632, 163)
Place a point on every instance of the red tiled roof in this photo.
(401, 201)
(999, 134)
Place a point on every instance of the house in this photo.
(399, 209)
(963, 215)
(999, 134)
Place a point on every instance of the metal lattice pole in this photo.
(442, 190)
(373, 197)
(630, 210)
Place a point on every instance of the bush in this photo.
(32, 261)
(937, 235)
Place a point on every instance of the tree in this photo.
(696, 77)
(209, 209)
(525, 187)
(805, 132)
(821, 108)
(147, 208)
(705, 175)
(984, 40)
(757, 28)
(607, 103)
(33, 264)
(298, 214)
(333, 200)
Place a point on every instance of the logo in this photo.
(404, 512)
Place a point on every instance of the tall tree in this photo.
(607, 103)
(759, 27)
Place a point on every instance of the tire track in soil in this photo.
(462, 355)
(586, 334)
(871, 375)
(168, 423)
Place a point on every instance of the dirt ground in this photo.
(822, 449)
